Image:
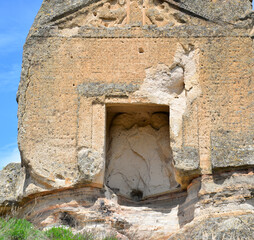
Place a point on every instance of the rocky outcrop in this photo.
(223, 227)
(214, 206)
(12, 179)
(136, 117)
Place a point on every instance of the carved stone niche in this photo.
(139, 157)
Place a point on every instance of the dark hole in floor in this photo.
(136, 195)
(68, 220)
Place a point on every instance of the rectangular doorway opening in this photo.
(138, 153)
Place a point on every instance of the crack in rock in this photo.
(143, 165)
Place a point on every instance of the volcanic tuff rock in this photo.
(136, 117)
(12, 179)
(143, 139)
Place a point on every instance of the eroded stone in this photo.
(12, 179)
(191, 58)
(139, 161)
(90, 164)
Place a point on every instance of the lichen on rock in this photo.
(90, 164)
(12, 178)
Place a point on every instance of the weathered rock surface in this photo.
(139, 158)
(220, 227)
(12, 179)
(90, 164)
(153, 99)
(229, 150)
(214, 207)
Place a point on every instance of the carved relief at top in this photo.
(160, 13)
(111, 13)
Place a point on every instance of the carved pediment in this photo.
(117, 13)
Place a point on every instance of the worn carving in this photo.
(111, 13)
(139, 157)
(161, 14)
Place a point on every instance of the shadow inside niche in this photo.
(187, 208)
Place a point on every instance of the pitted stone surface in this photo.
(11, 183)
(231, 228)
(190, 59)
(101, 89)
(90, 164)
(232, 151)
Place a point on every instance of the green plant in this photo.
(66, 234)
(19, 229)
(110, 238)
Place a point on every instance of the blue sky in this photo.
(15, 21)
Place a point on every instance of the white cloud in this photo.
(8, 155)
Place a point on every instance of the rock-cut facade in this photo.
(135, 119)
